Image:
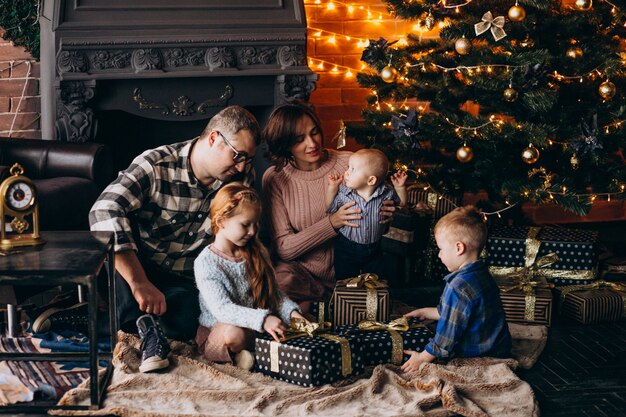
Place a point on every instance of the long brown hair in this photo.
(228, 202)
(280, 130)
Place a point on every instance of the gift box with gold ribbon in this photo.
(593, 303)
(516, 251)
(526, 301)
(309, 355)
(361, 298)
(385, 342)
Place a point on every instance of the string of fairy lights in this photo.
(359, 43)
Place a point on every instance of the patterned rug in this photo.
(49, 380)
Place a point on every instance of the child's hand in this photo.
(428, 313)
(275, 327)
(296, 315)
(335, 179)
(399, 179)
(415, 360)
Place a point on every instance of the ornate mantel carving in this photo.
(97, 49)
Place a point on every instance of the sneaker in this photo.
(154, 346)
(244, 360)
(74, 318)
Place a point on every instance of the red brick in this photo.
(9, 52)
(23, 121)
(5, 103)
(355, 95)
(325, 96)
(12, 88)
(5, 69)
(330, 80)
(325, 28)
(28, 104)
(20, 69)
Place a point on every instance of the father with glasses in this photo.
(158, 209)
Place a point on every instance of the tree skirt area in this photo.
(192, 387)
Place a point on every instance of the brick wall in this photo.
(19, 92)
(338, 96)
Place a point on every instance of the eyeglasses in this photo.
(238, 157)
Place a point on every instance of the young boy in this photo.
(471, 319)
(357, 249)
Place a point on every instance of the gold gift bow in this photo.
(489, 22)
(300, 328)
(530, 299)
(371, 284)
(393, 327)
(618, 287)
(537, 268)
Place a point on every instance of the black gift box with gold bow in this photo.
(593, 303)
(518, 249)
(309, 359)
(528, 302)
(384, 342)
(360, 298)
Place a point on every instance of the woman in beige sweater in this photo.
(294, 188)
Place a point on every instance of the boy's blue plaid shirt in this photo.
(472, 319)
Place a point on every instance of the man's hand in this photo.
(415, 360)
(275, 327)
(149, 298)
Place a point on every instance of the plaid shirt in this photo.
(472, 320)
(158, 208)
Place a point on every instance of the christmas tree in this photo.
(522, 99)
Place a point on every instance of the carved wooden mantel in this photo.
(166, 60)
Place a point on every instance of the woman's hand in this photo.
(274, 326)
(387, 211)
(343, 216)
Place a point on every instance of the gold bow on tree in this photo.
(488, 22)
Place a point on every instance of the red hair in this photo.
(228, 202)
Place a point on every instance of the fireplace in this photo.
(138, 74)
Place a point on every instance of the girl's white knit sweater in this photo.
(225, 294)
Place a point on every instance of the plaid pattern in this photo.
(158, 208)
(472, 320)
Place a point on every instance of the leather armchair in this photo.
(69, 177)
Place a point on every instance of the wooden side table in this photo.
(67, 258)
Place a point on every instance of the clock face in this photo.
(20, 196)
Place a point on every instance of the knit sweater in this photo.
(300, 227)
(225, 294)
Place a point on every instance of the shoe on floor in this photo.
(74, 318)
(154, 345)
(244, 360)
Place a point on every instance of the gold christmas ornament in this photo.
(574, 161)
(388, 74)
(607, 90)
(583, 5)
(464, 154)
(528, 42)
(530, 155)
(517, 13)
(510, 94)
(574, 52)
(463, 46)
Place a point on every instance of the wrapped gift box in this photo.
(378, 345)
(526, 305)
(360, 298)
(401, 237)
(308, 361)
(519, 250)
(614, 269)
(594, 303)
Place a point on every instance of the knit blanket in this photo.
(191, 387)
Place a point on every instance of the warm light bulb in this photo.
(330, 6)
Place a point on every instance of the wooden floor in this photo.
(582, 371)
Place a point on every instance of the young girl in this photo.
(235, 278)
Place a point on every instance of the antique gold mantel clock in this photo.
(19, 202)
